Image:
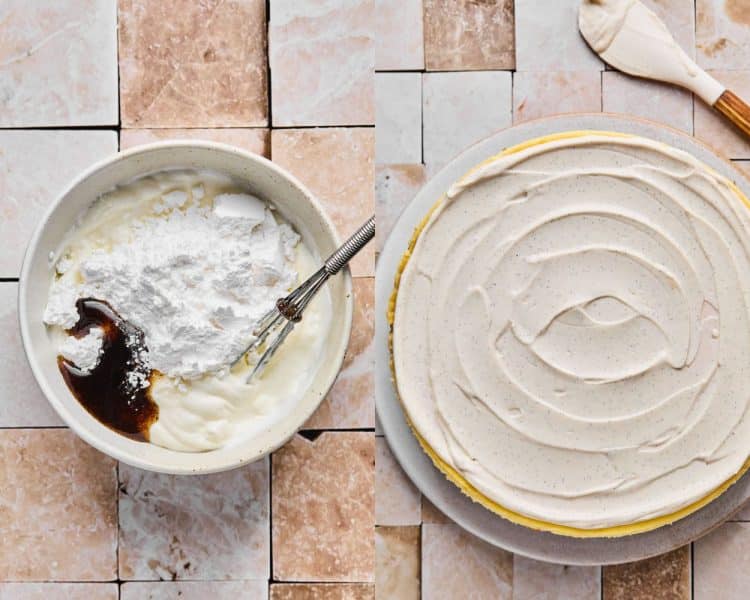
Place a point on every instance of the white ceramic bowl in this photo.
(266, 180)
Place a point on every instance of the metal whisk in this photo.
(288, 310)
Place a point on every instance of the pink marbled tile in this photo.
(468, 35)
(534, 580)
(193, 64)
(663, 576)
(547, 37)
(351, 401)
(661, 102)
(717, 131)
(323, 508)
(322, 59)
(460, 109)
(194, 590)
(452, 559)
(56, 494)
(395, 186)
(194, 527)
(432, 514)
(254, 140)
(723, 33)
(337, 165)
(322, 591)
(398, 35)
(721, 563)
(58, 591)
(58, 63)
(398, 109)
(22, 403)
(397, 570)
(540, 94)
(35, 166)
(397, 501)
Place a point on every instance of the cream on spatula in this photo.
(631, 38)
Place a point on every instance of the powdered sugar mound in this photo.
(194, 279)
(61, 305)
(84, 352)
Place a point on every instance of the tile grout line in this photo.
(117, 464)
(269, 75)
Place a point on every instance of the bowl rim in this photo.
(24, 318)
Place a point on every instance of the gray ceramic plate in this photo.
(443, 494)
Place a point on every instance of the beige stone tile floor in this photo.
(324, 50)
(323, 513)
(553, 71)
(211, 527)
(193, 64)
(399, 35)
(179, 79)
(398, 110)
(468, 35)
(74, 524)
(58, 63)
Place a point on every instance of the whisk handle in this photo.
(350, 247)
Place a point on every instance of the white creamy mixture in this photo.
(572, 330)
(193, 261)
(630, 37)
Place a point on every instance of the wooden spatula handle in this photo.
(734, 108)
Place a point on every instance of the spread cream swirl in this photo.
(571, 330)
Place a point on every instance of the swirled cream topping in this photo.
(571, 330)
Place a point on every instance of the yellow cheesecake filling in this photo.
(569, 332)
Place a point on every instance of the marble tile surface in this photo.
(722, 563)
(541, 94)
(663, 577)
(660, 102)
(460, 109)
(199, 527)
(395, 186)
(254, 140)
(22, 403)
(351, 401)
(398, 556)
(398, 110)
(323, 508)
(56, 493)
(35, 166)
(58, 63)
(194, 590)
(551, 43)
(451, 558)
(535, 580)
(722, 33)
(468, 35)
(322, 55)
(399, 35)
(397, 501)
(432, 514)
(717, 131)
(193, 64)
(58, 591)
(322, 591)
(337, 165)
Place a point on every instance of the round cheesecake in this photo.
(571, 332)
